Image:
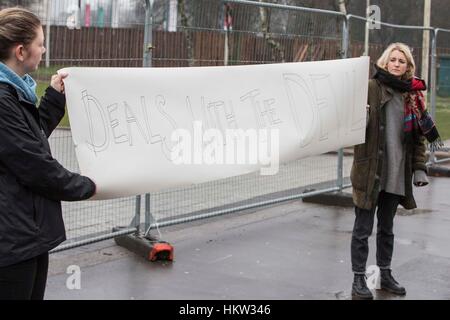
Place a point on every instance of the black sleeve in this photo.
(34, 167)
(51, 110)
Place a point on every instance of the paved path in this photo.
(294, 250)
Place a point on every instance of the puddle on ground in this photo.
(404, 212)
(403, 241)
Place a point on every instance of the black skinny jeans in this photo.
(25, 280)
(362, 229)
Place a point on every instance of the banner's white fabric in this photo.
(139, 130)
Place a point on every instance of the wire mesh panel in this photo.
(380, 38)
(84, 219)
(212, 32)
(442, 110)
(184, 33)
(221, 33)
(94, 34)
(420, 41)
(267, 35)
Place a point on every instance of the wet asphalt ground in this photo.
(290, 251)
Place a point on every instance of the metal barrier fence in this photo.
(438, 47)
(441, 54)
(205, 42)
(208, 32)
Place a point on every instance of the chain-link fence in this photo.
(201, 33)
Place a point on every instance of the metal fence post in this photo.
(345, 37)
(47, 32)
(148, 30)
(137, 216)
(433, 83)
(344, 53)
(147, 62)
(148, 215)
(227, 32)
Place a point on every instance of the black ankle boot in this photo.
(388, 283)
(359, 287)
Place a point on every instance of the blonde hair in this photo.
(383, 61)
(17, 26)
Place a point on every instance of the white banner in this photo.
(138, 130)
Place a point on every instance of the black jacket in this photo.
(32, 182)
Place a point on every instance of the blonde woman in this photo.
(389, 162)
(32, 182)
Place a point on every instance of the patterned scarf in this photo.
(417, 119)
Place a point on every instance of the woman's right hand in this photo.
(57, 81)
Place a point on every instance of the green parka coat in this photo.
(368, 157)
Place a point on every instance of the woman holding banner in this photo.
(384, 166)
(32, 182)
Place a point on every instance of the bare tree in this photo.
(275, 45)
(342, 5)
(187, 34)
